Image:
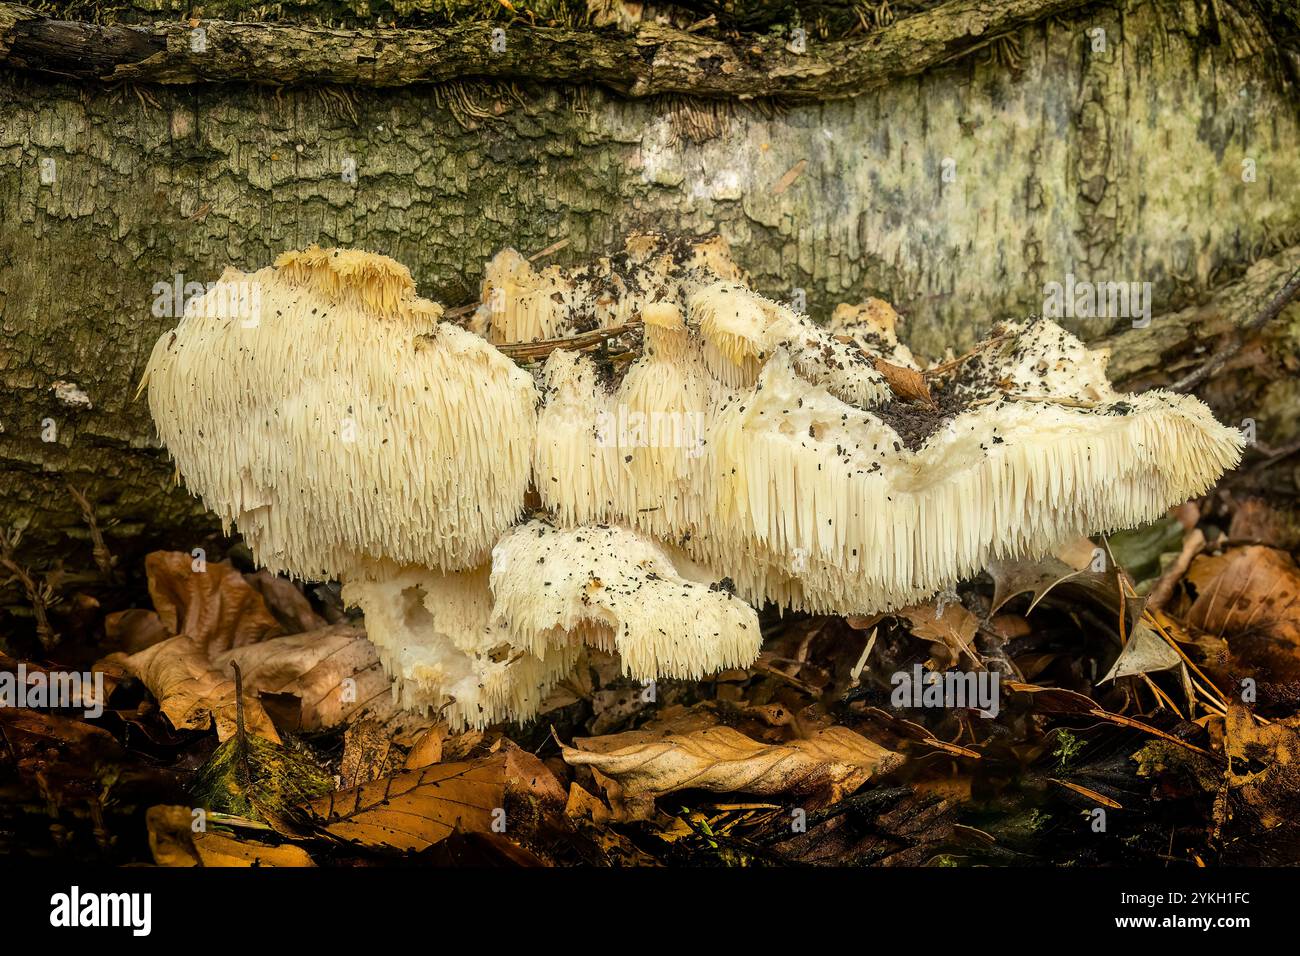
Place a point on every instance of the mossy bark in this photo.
(955, 194)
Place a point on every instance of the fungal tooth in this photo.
(350, 433)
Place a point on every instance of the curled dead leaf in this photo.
(173, 841)
(907, 383)
(214, 606)
(192, 691)
(821, 768)
(1251, 597)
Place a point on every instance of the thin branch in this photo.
(652, 61)
(1219, 359)
(528, 351)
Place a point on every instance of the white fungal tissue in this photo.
(717, 452)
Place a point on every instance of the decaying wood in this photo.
(1221, 358)
(1052, 166)
(654, 60)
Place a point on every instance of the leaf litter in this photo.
(1153, 676)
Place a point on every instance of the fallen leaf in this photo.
(251, 777)
(955, 629)
(192, 692)
(34, 737)
(1251, 597)
(135, 630)
(415, 809)
(1145, 653)
(823, 767)
(1263, 757)
(1257, 521)
(331, 674)
(586, 806)
(427, 751)
(286, 602)
(368, 753)
(907, 383)
(1058, 700)
(214, 606)
(310, 681)
(1042, 577)
(1138, 551)
(173, 842)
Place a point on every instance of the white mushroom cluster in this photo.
(717, 452)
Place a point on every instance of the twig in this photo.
(104, 559)
(948, 366)
(1221, 358)
(525, 351)
(39, 596)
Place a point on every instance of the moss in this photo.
(251, 777)
(355, 13)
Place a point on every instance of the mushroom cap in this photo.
(488, 644)
(811, 484)
(617, 587)
(438, 636)
(336, 420)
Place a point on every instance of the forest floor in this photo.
(1135, 700)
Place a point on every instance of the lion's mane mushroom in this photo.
(616, 589)
(338, 422)
(350, 434)
(805, 478)
(714, 435)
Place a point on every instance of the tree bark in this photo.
(653, 61)
(1168, 155)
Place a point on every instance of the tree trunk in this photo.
(1164, 149)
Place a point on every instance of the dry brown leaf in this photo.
(311, 681)
(1043, 576)
(955, 629)
(1258, 521)
(135, 630)
(33, 736)
(1251, 597)
(320, 678)
(215, 606)
(1146, 652)
(1263, 765)
(286, 602)
(527, 775)
(173, 842)
(585, 806)
(907, 383)
(192, 692)
(427, 751)
(1059, 700)
(821, 768)
(415, 809)
(368, 753)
